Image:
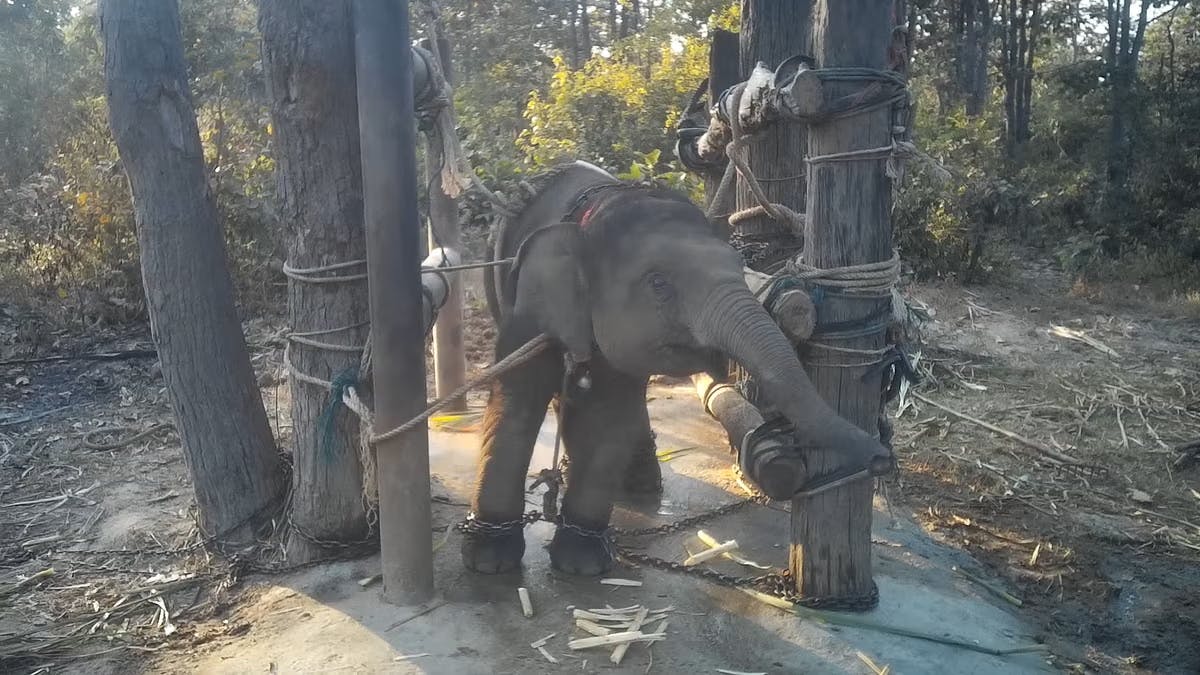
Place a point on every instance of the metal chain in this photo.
(777, 584)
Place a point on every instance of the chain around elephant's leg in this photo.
(494, 539)
(599, 440)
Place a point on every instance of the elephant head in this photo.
(643, 278)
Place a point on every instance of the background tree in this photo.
(236, 473)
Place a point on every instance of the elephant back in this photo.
(548, 198)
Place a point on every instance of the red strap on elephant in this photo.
(583, 220)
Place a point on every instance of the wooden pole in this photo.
(389, 167)
(723, 72)
(771, 31)
(449, 357)
(847, 224)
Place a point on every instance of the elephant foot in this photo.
(643, 476)
(579, 551)
(493, 548)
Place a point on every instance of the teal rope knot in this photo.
(326, 423)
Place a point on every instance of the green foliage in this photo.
(67, 235)
(616, 107)
(646, 169)
(531, 88)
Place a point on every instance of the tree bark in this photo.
(585, 32)
(848, 224)
(308, 56)
(772, 31)
(573, 33)
(236, 472)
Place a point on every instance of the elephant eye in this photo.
(660, 285)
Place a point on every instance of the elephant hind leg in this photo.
(643, 474)
(600, 431)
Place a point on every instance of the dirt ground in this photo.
(1077, 496)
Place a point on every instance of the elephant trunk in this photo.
(734, 322)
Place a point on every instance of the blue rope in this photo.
(326, 423)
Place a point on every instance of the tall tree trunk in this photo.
(308, 56)
(1124, 51)
(235, 469)
(977, 91)
(613, 16)
(1008, 12)
(573, 34)
(585, 31)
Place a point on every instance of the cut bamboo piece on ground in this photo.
(619, 653)
(542, 642)
(591, 627)
(711, 541)
(621, 582)
(613, 639)
(1044, 449)
(872, 665)
(526, 603)
(709, 554)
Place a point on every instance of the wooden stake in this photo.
(847, 223)
(449, 359)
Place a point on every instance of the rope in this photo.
(524, 353)
(739, 156)
(306, 275)
(878, 276)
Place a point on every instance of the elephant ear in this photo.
(552, 290)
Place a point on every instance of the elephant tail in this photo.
(491, 278)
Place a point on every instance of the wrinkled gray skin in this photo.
(646, 288)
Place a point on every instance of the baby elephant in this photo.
(631, 281)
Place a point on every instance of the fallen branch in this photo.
(1044, 449)
(1080, 336)
(101, 356)
(1189, 453)
(996, 590)
(30, 581)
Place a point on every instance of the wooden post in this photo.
(723, 73)
(771, 31)
(449, 357)
(847, 224)
(389, 167)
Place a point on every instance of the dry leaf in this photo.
(1140, 497)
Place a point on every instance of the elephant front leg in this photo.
(600, 431)
(495, 538)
